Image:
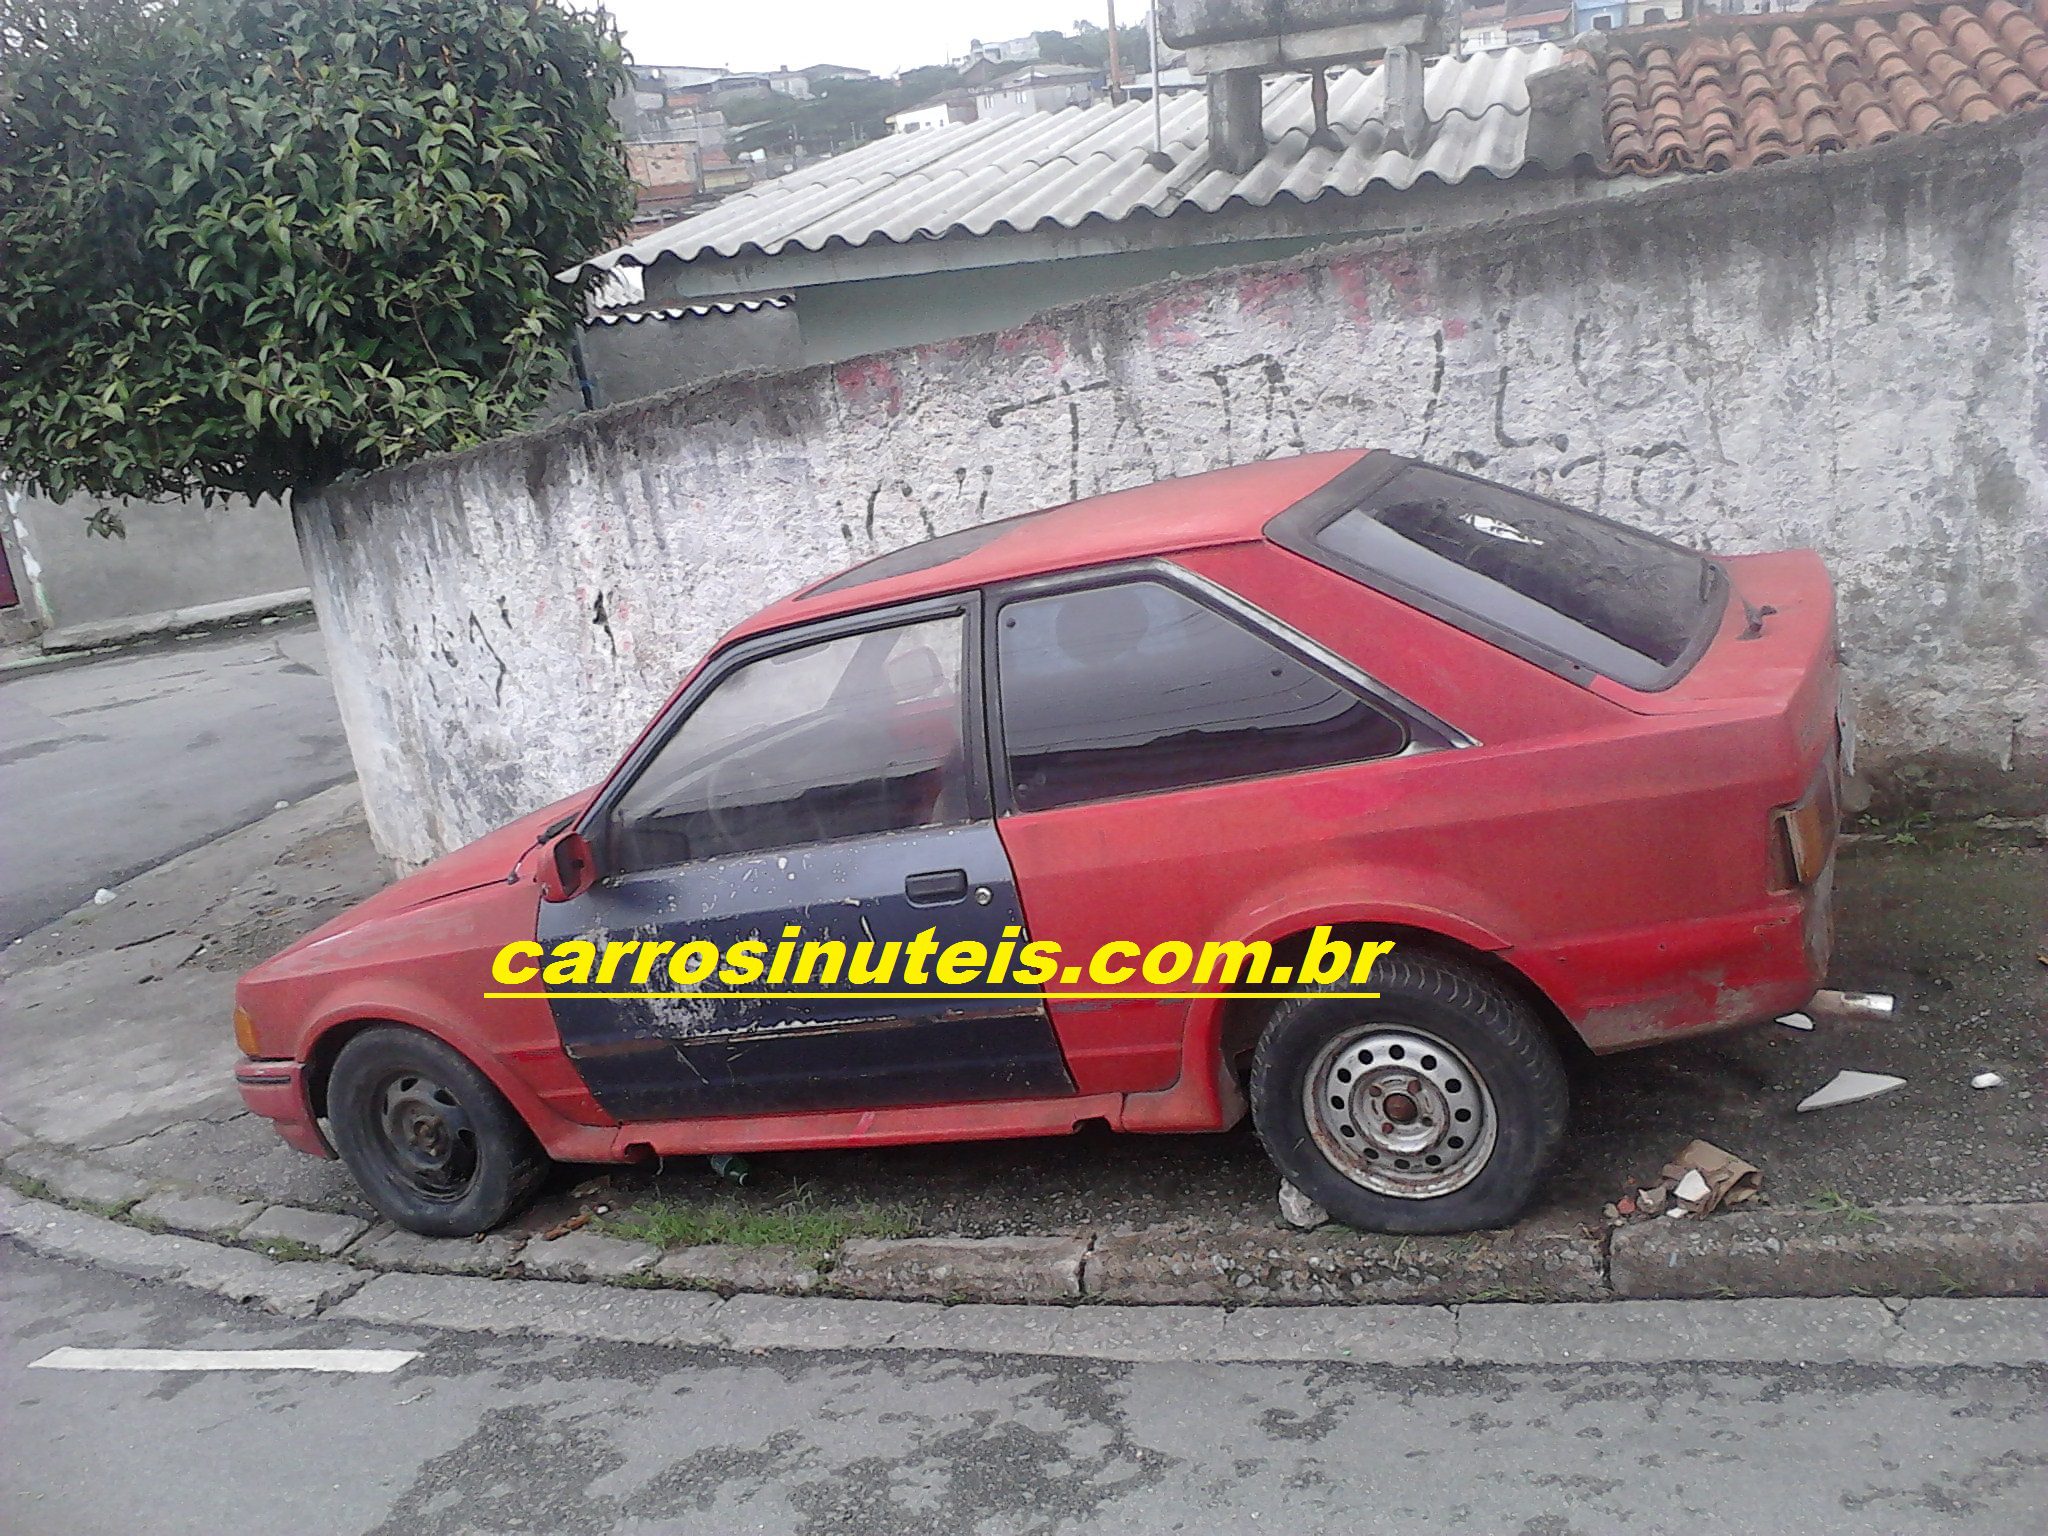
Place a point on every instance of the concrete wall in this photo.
(632, 359)
(175, 555)
(843, 320)
(1847, 353)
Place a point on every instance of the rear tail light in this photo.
(1804, 837)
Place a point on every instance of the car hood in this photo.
(490, 860)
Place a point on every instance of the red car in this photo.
(1582, 778)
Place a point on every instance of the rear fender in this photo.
(1206, 1095)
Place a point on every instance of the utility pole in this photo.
(1116, 67)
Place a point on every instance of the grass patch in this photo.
(642, 1280)
(1904, 832)
(792, 1220)
(1493, 1293)
(28, 1186)
(1834, 1203)
(289, 1249)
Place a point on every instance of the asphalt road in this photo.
(111, 766)
(482, 1435)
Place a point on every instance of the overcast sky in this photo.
(882, 35)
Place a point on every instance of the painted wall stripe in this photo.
(374, 1361)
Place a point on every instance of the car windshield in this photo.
(1605, 597)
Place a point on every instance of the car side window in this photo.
(842, 738)
(1137, 687)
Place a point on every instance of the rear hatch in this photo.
(1772, 659)
(1651, 626)
(1642, 621)
(1775, 642)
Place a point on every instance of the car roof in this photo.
(1224, 506)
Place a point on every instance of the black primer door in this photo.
(829, 784)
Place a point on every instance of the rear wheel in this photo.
(434, 1146)
(1437, 1107)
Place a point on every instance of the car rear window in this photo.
(1556, 585)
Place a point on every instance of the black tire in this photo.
(1473, 1138)
(433, 1144)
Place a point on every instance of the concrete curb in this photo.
(1994, 1333)
(102, 633)
(1895, 1251)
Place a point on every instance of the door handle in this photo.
(934, 888)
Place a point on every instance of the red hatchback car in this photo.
(1585, 780)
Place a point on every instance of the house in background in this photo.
(1513, 23)
(629, 353)
(977, 226)
(974, 227)
(1038, 88)
(1177, 81)
(820, 72)
(940, 112)
(1015, 50)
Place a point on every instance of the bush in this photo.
(252, 245)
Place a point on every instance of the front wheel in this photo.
(1437, 1107)
(433, 1144)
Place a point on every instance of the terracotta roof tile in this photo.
(1742, 91)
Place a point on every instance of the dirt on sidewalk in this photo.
(1950, 920)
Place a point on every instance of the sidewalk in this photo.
(113, 763)
(119, 1047)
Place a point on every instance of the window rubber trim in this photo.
(1297, 531)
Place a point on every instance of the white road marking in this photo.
(375, 1361)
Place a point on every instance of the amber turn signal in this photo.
(245, 1032)
(1805, 831)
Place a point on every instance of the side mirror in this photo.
(567, 868)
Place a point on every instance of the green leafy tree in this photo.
(253, 245)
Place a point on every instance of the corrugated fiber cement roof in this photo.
(1019, 173)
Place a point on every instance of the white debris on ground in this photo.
(1297, 1210)
(1986, 1080)
(1700, 1179)
(103, 897)
(1848, 1087)
(1795, 1021)
(1692, 1189)
(1853, 1005)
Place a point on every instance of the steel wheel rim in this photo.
(1399, 1112)
(425, 1136)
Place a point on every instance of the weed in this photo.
(112, 1210)
(1835, 1203)
(289, 1249)
(642, 1280)
(1495, 1293)
(1902, 833)
(28, 1185)
(794, 1220)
